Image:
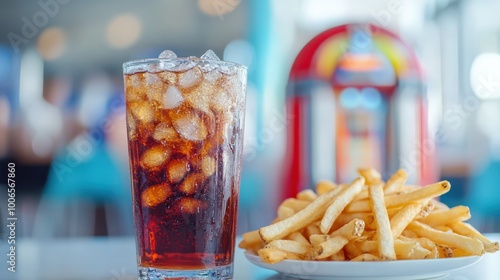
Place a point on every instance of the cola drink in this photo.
(185, 120)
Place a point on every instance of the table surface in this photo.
(114, 259)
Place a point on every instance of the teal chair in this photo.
(484, 197)
(77, 186)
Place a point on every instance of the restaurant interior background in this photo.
(62, 112)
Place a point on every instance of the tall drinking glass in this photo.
(185, 120)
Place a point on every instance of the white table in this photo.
(114, 259)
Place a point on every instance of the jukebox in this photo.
(357, 98)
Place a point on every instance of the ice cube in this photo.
(167, 54)
(172, 98)
(189, 205)
(199, 98)
(133, 81)
(228, 69)
(177, 169)
(164, 132)
(189, 78)
(208, 166)
(133, 88)
(209, 55)
(191, 184)
(131, 127)
(180, 65)
(220, 101)
(151, 79)
(213, 76)
(191, 127)
(156, 194)
(142, 111)
(168, 77)
(155, 157)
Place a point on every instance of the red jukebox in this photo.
(358, 99)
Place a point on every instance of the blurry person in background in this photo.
(88, 186)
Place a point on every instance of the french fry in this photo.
(426, 210)
(312, 229)
(307, 195)
(397, 180)
(445, 251)
(274, 255)
(409, 233)
(301, 219)
(426, 192)
(405, 249)
(365, 258)
(448, 238)
(290, 246)
(330, 246)
(339, 256)
(384, 233)
(403, 217)
(316, 239)
(370, 175)
(251, 238)
(444, 217)
(443, 228)
(284, 212)
(345, 218)
(295, 204)
(468, 230)
(363, 194)
(297, 236)
(351, 230)
(351, 250)
(461, 253)
(341, 201)
(325, 186)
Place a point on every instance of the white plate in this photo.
(401, 270)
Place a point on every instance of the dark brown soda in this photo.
(186, 231)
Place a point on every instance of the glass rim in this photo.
(149, 61)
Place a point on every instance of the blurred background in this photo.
(62, 109)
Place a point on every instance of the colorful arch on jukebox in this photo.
(318, 61)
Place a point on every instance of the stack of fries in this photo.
(368, 220)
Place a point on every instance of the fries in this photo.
(384, 233)
(368, 220)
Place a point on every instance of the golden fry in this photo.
(341, 201)
(324, 187)
(274, 255)
(370, 175)
(290, 246)
(330, 246)
(297, 236)
(426, 192)
(403, 217)
(384, 233)
(396, 182)
(339, 256)
(307, 195)
(448, 238)
(365, 258)
(468, 230)
(299, 220)
(444, 217)
(284, 212)
(295, 204)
